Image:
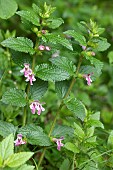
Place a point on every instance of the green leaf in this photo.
(76, 107)
(18, 159)
(38, 138)
(21, 58)
(65, 165)
(48, 72)
(110, 139)
(6, 147)
(65, 64)
(63, 130)
(7, 8)
(110, 56)
(97, 63)
(95, 123)
(35, 135)
(90, 131)
(95, 116)
(57, 39)
(23, 167)
(61, 88)
(29, 16)
(55, 23)
(19, 44)
(14, 97)
(78, 131)
(77, 36)
(71, 147)
(36, 9)
(38, 89)
(102, 45)
(29, 128)
(6, 128)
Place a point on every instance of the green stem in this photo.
(54, 121)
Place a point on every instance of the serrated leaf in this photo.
(78, 131)
(35, 135)
(21, 58)
(6, 128)
(7, 8)
(18, 159)
(71, 147)
(57, 39)
(76, 107)
(29, 129)
(14, 97)
(64, 63)
(19, 44)
(29, 16)
(61, 88)
(38, 138)
(51, 73)
(36, 9)
(63, 130)
(77, 36)
(38, 89)
(102, 45)
(6, 147)
(55, 23)
(95, 123)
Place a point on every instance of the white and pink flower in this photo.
(36, 106)
(19, 140)
(88, 78)
(28, 73)
(58, 142)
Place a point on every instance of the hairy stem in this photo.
(54, 121)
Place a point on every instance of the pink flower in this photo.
(43, 31)
(26, 70)
(47, 48)
(30, 78)
(28, 73)
(19, 140)
(58, 142)
(36, 105)
(83, 47)
(41, 47)
(88, 78)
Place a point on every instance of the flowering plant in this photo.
(47, 67)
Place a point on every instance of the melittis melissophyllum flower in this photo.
(28, 73)
(88, 78)
(58, 142)
(36, 106)
(19, 140)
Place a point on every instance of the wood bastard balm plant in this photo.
(74, 137)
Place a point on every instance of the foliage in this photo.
(56, 85)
